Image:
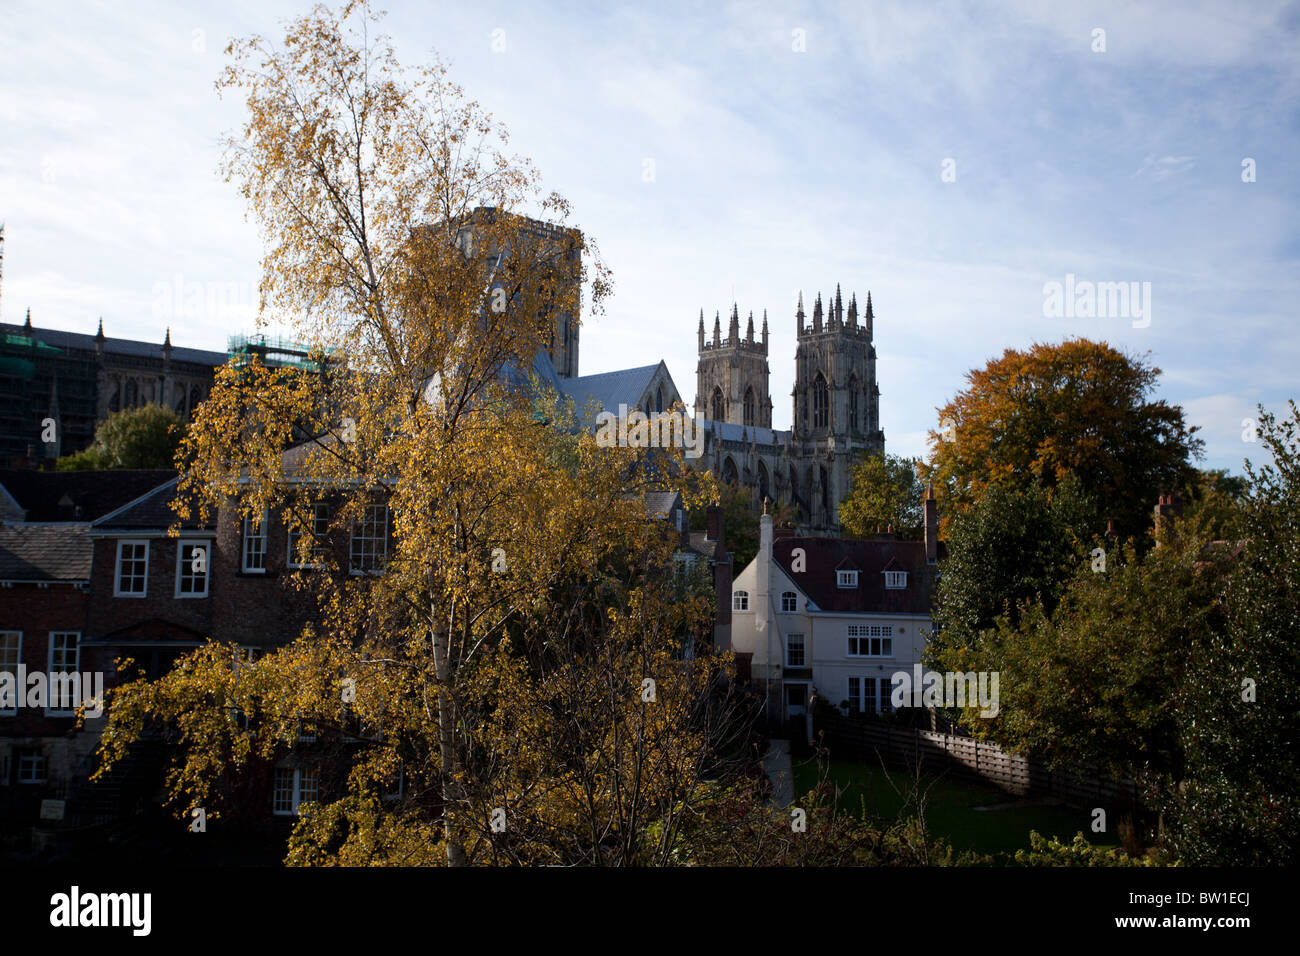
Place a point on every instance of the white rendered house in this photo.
(833, 617)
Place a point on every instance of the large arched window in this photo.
(729, 472)
(853, 402)
(749, 406)
(821, 402)
(719, 413)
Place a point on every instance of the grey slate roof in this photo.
(55, 495)
(45, 552)
(610, 389)
(150, 512)
(729, 431)
(662, 502)
(80, 340)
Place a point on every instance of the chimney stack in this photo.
(713, 523)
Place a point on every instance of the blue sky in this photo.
(775, 170)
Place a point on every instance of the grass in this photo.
(950, 811)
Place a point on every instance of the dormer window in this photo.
(846, 579)
(740, 600)
(895, 579)
(789, 602)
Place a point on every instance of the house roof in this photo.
(45, 552)
(56, 495)
(149, 512)
(825, 555)
(662, 503)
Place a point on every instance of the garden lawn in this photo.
(950, 811)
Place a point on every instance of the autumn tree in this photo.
(885, 493)
(143, 437)
(515, 652)
(1081, 408)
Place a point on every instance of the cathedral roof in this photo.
(625, 386)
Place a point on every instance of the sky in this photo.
(954, 159)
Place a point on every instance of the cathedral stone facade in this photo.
(836, 409)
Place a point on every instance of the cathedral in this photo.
(836, 409)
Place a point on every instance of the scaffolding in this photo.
(278, 352)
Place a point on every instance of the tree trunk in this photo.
(446, 747)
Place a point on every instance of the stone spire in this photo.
(799, 315)
(27, 326)
(749, 333)
(733, 334)
(765, 331)
(853, 310)
(701, 330)
(817, 313)
(870, 315)
(839, 307)
(717, 329)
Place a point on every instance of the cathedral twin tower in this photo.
(836, 410)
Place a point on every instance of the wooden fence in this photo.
(965, 758)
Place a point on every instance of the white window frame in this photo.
(895, 580)
(51, 708)
(846, 579)
(877, 636)
(254, 533)
(298, 793)
(117, 571)
(789, 602)
(5, 666)
(38, 760)
(191, 544)
(740, 600)
(875, 693)
(803, 651)
(362, 532)
(317, 549)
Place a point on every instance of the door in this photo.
(796, 700)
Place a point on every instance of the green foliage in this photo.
(143, 437)
(1079, 852)
(885, 493)
(1014, 545)
(1099, 680)
(1239, 803)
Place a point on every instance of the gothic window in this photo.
(821, 402)
(729, 472)
(762, 482)
(826, 496)
(749, 406)
(132, 394)
(853, 403)
(718, 413)
(659, 399)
